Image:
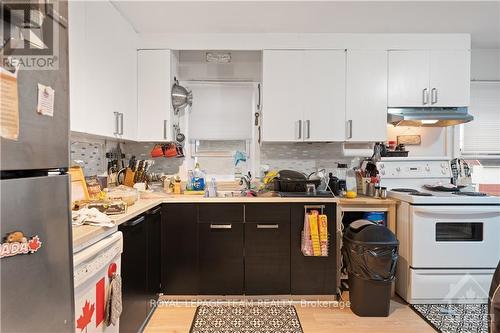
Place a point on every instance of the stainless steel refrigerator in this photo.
(36, 266)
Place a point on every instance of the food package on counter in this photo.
(108, 207)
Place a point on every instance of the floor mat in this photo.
(455, 318)
(246, 319)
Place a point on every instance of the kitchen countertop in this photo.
(85, 233)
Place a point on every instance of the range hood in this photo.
(428, 117)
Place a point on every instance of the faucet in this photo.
(247, 179)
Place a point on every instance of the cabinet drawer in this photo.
(267, 258)
(267, 212)
(220, 213)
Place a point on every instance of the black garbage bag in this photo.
(370, 251)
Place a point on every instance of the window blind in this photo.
(221, 110)
(482, 135)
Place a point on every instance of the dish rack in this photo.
(307, 239)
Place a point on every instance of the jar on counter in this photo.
(351, 183)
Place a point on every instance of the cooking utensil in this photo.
(179, 137)
(181, 97)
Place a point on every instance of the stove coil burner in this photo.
(471, 194)
(404, 190)
(421, 194)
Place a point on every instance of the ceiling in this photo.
(479, 18)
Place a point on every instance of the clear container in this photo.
(350, 181)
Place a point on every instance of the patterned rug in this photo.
(455, 318)
(246, 319)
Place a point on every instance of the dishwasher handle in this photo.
(134, 222)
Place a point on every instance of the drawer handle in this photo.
(268, 226)
(135, 222)
(221, 226)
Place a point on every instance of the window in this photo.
(481, 137)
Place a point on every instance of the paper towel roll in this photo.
(357, 149)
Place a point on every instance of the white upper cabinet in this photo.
(366, 96)
(423, 78)
(103, 71)
(450, 78)
(408, 78)
(281, 97)
(323, 93)
(303, 95)
(154, 99)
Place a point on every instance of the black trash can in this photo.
(370, 253)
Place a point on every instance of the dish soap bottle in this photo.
(198, 182)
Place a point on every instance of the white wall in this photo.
(485, 64)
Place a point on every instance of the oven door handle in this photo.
(478, 211)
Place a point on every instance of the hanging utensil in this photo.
(181, 97)
(179, 137)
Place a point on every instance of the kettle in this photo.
(181, 97)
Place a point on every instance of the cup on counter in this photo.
(370, 190)
(383, 193)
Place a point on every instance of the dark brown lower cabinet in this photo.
(267, 258)
(312, 275)
(220, 258)
(179, 268)
(235, 249)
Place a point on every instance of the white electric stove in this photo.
(449, 241)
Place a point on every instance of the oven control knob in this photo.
(443, 165)
(382, 172)
(443, 172)
(398, 169)
(427, 168)
(382, 166)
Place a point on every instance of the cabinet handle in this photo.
(268, 226)
(154, 211)
(307, 129)
(349, 129)
(259, 105)
(260, 134)
(434, 95)
(299, 129)
(121, 123)
(117, 123)
(425, 96)
(165, 129)
(135, 222)
(221, 226)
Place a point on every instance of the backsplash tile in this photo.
(305, 157)
(89, 152)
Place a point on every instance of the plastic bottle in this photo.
(198, 181)
(189, 183)
(350, 180)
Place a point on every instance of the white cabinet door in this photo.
(154, 105)
(98, 65)
(323, 94)
(102, 70)
(450, 78)
(124, 67)
(366, 96)
(282, 96)
(409, 78)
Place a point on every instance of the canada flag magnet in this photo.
(16, 243)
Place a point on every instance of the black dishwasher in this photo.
(134, 266)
